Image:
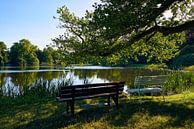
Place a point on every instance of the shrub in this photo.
(157, 66)
(184, 60)
(189, 68)
(178, 82)
(188, 49)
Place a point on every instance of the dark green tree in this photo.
(79, 43)
(23, 53)
(48, 59)
(3, 53)
(40, 55)
(137, 19)
(83, 44)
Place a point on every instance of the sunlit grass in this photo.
(177, 111)
(189, 68)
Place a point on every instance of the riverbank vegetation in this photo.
(24, 53)
(172, 51)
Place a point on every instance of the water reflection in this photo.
(14, 82)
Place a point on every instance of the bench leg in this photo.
(72, 107)
(115, 99)
(109, 101)
(67, 106)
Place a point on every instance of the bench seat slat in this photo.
(92, 85)
(149, 84)
(91, 91)
(86, 97)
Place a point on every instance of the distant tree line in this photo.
(175, 50)
(24, 53)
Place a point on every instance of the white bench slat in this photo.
(148, 84)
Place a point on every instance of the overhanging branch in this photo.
(162, 29)
(166, 30)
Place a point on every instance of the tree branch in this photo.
(162, 29)
(166, 30)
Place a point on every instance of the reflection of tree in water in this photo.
(19, 83)
(50, 81)
(49, 75)
(85, 75)
(2, 79)
(112, 75)
(23, 79)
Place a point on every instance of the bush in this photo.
(178, 82)
(157, 66)
(189, 68)
(188, 49)
(184, 60)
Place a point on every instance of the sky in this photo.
(33, 19)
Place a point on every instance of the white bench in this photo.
(148, 85)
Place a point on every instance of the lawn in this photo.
(177, 111)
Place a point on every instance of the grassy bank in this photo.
(148, 112)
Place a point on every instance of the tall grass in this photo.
(178, 82)
(40, 88)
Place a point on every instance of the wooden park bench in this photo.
(69, 94)
(148, 85)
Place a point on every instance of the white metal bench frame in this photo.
(148, 84)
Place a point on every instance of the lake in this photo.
(15, 80)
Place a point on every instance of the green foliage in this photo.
(3, 54)
(40, 55)
(189, 68)
(156, 66)
(48, 59)
(184, 60)
(188, 49)
(23, 53)
(136, 19)
(159, 49)
(81, 44)
(178, 82)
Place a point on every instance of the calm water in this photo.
(13, 80)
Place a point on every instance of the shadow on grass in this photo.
(130, 114)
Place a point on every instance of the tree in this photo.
(3, 53)
(48, 59)
(186, 54)
(77, 39)
(82, 43)
(40, 55)
(135, 19)
(23, 53)
(190, 37)
(159, 49)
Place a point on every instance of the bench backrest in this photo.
(150, 81)
(98, 89)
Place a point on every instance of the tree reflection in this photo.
(13, 84)
(49, 81)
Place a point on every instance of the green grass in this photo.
(177, 111)
(189, 68)
(149, 66)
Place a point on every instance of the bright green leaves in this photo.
(121, 32)
(23, 53)
(159, 49)
(3, 54)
